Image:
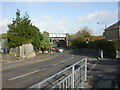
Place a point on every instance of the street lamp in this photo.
(102, 23)
(104, 26)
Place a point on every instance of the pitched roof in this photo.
(114, 26)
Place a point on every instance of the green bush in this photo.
(116, 45)
(110, 46)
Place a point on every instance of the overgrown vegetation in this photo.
(109, 46)
(116, 45)
(3, 36)
(22, 31)
(45, 44)
(78, 40)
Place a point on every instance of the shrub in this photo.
(116, 45)
(109, 46)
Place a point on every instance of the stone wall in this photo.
(14, 51)
(24, 51)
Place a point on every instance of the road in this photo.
(27, 75)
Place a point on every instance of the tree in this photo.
(22, 31)
(103, 34)
(45, 44)
(37, 39)
(83, 33)
(3, 36)
(78, 40)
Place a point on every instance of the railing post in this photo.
(116, 54)
(85, 69)
(39, 86)
(101, 54)
(73, 71)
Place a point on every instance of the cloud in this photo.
(47, 17)
(76, 4)
(106, 16)
(50, 24)
(59, 0)
(44, 23)
(87, 18)
(3, 25)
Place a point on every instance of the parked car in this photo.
(59, 49)
(54, 48)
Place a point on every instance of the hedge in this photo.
(110, 46)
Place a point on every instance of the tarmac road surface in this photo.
(26, 75)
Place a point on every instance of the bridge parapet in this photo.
(59, 37)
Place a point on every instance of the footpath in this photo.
(103, 75)
(9, 61)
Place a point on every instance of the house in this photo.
(113, 32)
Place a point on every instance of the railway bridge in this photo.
(60, 39)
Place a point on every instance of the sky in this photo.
(62, 17)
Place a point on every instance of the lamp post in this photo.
(102, 23)
(105, 26)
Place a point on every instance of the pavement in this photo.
(118, 72)
(11, 58)
(10, 61)
(104, 74)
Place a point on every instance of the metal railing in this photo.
(95, 52)
(71, 77)
(98, 53)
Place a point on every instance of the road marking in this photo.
(63, 61)
(26, 74)
(54, 64)
(18, 61)
(58, 80)
(93, 66)
(66, 60)
(71, 58)
(42, 69)
(5, 61)
(59, 63)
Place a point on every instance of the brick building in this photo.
(113, 32)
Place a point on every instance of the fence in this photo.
(71, 77)
(95, 52)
